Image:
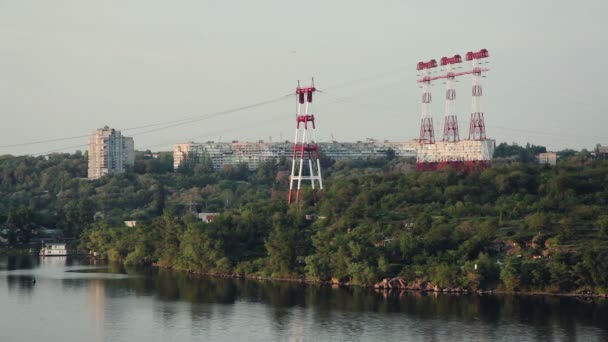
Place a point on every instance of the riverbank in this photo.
(93, 294)
(422, 289)
(11, 251)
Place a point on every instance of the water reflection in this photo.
(97, 305)
(541, 314)
(537, 311)
(20, 263)
(165, 304)
(23, 283)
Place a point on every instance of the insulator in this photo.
(301, 98)
(309, 97)
(450, 94)
(426, 98)
(477, 91)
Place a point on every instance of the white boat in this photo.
(53, 249)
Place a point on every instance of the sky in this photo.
(68, 67)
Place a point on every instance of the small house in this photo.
(207, 217)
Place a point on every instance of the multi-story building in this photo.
(547, 158)
(109, 152)
(254, 153)
(601, 152)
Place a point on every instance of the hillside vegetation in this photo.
(515, 226)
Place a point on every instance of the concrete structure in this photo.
(207, 217)
(254, 153)
(547, 158)
(109, 152)
(463, 154)
(477, 150)
(601, 152)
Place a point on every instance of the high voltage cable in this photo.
(217, 114)
(56, 150)
(331, 86)
(44, 141)
(175, 124)
(553, 134)
(365, 78)
(84, 136)
(188, 119)
(168, 124)
(213, 133)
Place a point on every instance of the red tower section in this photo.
(305, 148)
(477, 126)
(450, 127)
(427, 131)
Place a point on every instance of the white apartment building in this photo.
(254, 153)
(547, 158)
(109, 152)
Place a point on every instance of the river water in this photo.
(58, 299)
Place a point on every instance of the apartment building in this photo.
(109, 152)
(547, 158)
(254, 153)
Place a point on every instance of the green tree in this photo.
(280, 249)
(509, 275)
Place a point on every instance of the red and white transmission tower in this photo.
(305, 151)
(477, 127)
(427, 132)
(450, 127)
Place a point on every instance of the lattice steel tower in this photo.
(305, 149)
(450, 127)
(477, 127)
(427, 132)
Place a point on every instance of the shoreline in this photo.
(15, 251)
(445, 291)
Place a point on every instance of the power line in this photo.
(57, 150)
(217, 114)
(365, 78)
(44, 141)
(552, 134)
(210, 134)
(165, 125)
(187, 120)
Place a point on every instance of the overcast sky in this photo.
(68, 67)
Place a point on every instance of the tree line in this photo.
(515, 226)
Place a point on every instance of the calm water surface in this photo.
(73, 300)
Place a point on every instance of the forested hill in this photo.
(516, 226)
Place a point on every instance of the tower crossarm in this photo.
(306, 148)
(452, 75)
(483, 53)
(306, 118)
(305, 94)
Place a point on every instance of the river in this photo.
(58, 299)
